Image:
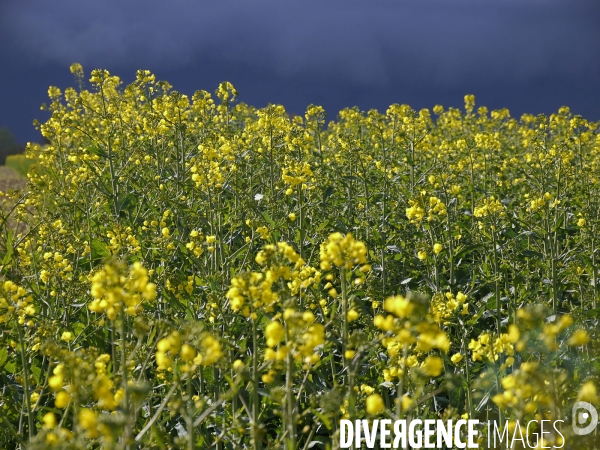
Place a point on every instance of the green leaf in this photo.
(268, 219)
(462, 251)
(532, 254)
(9, 248)
(3, 356)
(99, 249)
(124, 203)
(327, 193)
(323, 418)
(98, 151)
(11, 367)
(36, 371)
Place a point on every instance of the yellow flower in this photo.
(407, 402)
(513, 333)
(62, 399)
(264, 232)
(211, 351)
(116, 289)
(580, 337)
(76, 69)
(308, 317)
(163, 345)
(399, 306)
(509, 382)
(88, 421)
(55, 382)
(456, 358)
(384, 323)
(432, 366)
(352, 315)
(274, 333)
(238, 365)
(375, 404)
(163, 361)
(415, 213)
(268, 377)
(587, 393)
(422, 255)
(342, 251)
(188, 353)
(165, 232)
(67, 336)
(437, 248)
(49, 420)
(44, 276)
(174, 341)
(365, 388)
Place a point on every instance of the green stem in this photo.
(594, 275)
(496, 282)
(128, 432)
(190, 416)
(291, 422)
(26, 383)
(301, 221)
(400, 393)
(344, 321)
(467, 370)
(256, 442)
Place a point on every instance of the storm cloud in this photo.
(338, 52)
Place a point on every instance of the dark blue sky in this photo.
(527, 55)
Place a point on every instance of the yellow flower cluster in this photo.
(437, 209)
(443, 306)
(433, 206)
(302, 336)
(411, 334)
(297, 174)
(415, 212)
(487, 347)
(104, 387)
(490, 207)
(56, 264)
(195, 243)
(15, 300)
(115, 291)
(269, 326)
(254, 290)
(525, 387)
(541, 202)
(170, 349)
(342, 251)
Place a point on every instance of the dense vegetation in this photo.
(8, 145)
(20, 164)
(198, 273)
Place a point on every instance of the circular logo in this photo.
(580, 417)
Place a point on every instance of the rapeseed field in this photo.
(193, 272)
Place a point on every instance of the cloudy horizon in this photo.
(530, 56)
